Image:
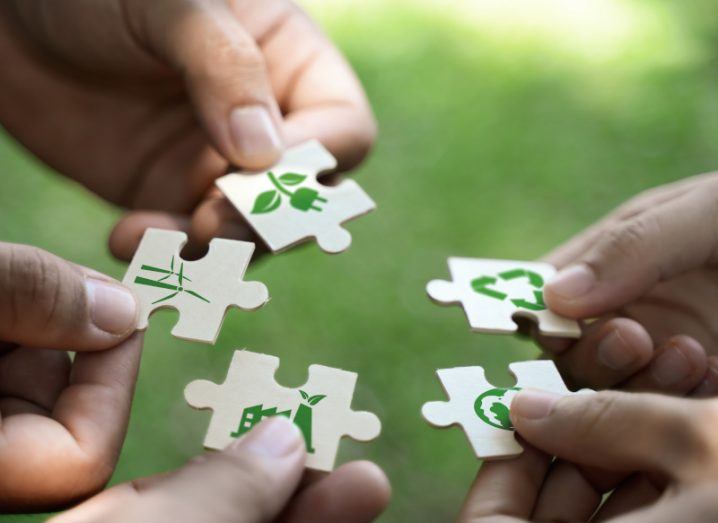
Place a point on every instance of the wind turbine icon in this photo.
(180, 287)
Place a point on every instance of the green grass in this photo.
(499, 138)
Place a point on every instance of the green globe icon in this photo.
(492, 407)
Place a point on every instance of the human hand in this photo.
(648, 273)
(147, 103)
(656, 455)
(257, 478)
(62, 420)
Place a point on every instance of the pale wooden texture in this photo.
(286, 226)
(250, 382)
(217, 277)
(487, 314)
(464, 385)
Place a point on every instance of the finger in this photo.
(225, 74)
(354, 493)
(50, 461)
(128, 231)
(656, 433)
(607, 353)
(249, 482)
(566, 495)
(649, 199)
(678, 367)
(634, 493)
(696, 504)
(34, 377)
(709, 385)
(506, 488)
(631, 257)
(217, 218)
(48, 302)
(319, 93)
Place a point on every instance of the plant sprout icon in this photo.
(302, 199)
(181, 278)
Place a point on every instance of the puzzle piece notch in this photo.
(475, 286)
(250, 383)
(466, 386)
(201, 290)
(287, 213)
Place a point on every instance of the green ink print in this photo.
(292, 178)
(302, 418)
(253, 415)
(492, 407)
(303, 199)
(538, 305)
(482, 285)
(501, 412)
(266, 202)
(160, 284)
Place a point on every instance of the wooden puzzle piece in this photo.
(492, 292)
(286, 204)
(482, 410)
(200, 290)
(321, 408)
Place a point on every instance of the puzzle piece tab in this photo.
(482, 410)
(200, 290)
(286, 204)
(321, 408)
(492, 292)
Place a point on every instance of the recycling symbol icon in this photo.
(483, 285)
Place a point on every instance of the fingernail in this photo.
(273, 438)
(254, 134)
(670, 367)
(614, 353)
(533, 404)
(572, 282)
(113, 309)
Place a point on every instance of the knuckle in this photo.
(235, 57)
(35, 280)
(594, 414)
(684, 436)
(629, 238)
(222, 59)
(699, 427)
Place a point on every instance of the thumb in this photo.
(251, 481)
(225, 75)
(632, 255)
(617, 431)
(48, 302)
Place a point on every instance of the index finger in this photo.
(317, 90)
(506, 487)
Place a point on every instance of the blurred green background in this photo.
(506, 127)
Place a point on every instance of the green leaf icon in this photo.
(305, 396)
(292, 178)
(316, 399)
(266, 202)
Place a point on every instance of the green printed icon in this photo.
(303, 198)
(163, 284)
(492, 407)
(482, 285)
(302, 418)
